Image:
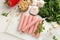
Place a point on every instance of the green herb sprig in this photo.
(51, 11)
(40, 28)
(5, 14)
(55, 38)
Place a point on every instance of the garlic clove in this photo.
(34, 10)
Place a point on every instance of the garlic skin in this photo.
(34, 3)
(54, 24)
(30, 2)
(39, 3)
(34, 10)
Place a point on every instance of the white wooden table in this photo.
(10, 32)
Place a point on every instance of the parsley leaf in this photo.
(40, 28)
(50, 11)
(55, 38)
(5, 14)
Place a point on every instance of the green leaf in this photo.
(55, 38)
(58, 20)
(6, 2)
(50, 19)
(40, 28)
(5, 14)
(37, 31)
(46, 0)
(51, 11)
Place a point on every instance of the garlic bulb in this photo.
(30, 2)
(34, 10)
(34, 3)
(40, 3)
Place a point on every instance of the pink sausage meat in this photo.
(25, 22)
(36, 25)
(29, 25)
(21, 21)
(32, 27)
(29, 21)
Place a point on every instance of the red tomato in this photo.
(11, 3)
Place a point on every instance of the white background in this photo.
(9, 31)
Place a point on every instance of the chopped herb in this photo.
(51, 11)
(37, 31)
(5, 14)
(55, 38)
(40, 28)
